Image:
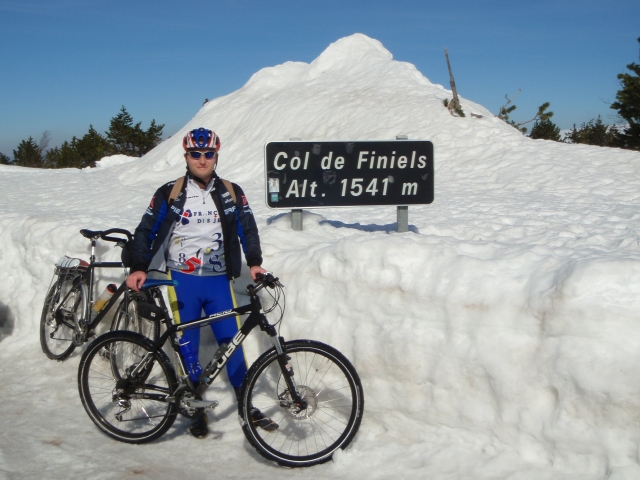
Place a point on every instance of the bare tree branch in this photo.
(44, 141)
(503, 114)
(454, 104)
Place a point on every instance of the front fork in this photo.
(287, 371)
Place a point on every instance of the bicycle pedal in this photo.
(206, 404)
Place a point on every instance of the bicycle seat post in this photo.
(93, 250)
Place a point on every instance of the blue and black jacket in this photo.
(151, 239)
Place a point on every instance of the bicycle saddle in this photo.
(104, 234)
(90, 233)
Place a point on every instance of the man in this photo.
(193, 230)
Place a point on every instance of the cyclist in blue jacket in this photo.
(194, 229)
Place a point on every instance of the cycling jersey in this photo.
(196, 245)
(150, 244)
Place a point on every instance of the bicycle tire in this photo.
(115, 403)
(127, 318)
(56, 331)
(327, 380)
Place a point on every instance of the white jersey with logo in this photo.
(196, 243)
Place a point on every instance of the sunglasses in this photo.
(197, 155)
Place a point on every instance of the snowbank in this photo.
(497, 339)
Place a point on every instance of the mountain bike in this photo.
(309, 389)
(68, 319)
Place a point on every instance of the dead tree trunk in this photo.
(454, 104)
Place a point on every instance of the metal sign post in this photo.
(296, 219)
(403, 219)
(296, 213)
(402, 212)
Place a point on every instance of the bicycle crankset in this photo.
(80, 335)
(187, 403)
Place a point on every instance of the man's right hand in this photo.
(135, 280)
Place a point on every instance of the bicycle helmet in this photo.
(201, 138)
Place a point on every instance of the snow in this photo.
(107, 162)
(498, 339)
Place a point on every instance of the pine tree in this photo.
(541, 115)
(91, 148)
(79, 153)
(4, 160)
(545, 129)
(593, 132)
(128, 139)
(120, 133)
(506, 110)
(65, 156)
(149, 139)
(28, 154)
(628, 106)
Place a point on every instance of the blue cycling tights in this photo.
(213, 294)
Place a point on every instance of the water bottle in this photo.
(194, 369)
(104, 297)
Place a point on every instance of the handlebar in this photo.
(264, 280)
(268, 279)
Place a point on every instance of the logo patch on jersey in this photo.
(153, 199)
(184, 218)
(191, 264)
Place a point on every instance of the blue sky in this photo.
(66, 64)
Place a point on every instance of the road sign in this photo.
(338, 174)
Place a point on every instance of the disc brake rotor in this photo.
(307, 394)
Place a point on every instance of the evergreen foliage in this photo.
(594, 132)
(28, 154)
(79, 153)
(545, 129)
(507, 109)
(504, 113)
(628, 106)
(129, 139)
(4, 160)
(541, 115)
(123, 137)
(64, 156)
(458, 110)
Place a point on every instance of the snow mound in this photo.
(497, 339)
(334, 97)
(106, 162)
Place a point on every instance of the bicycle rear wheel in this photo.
(127, 318)
(130, 406)
(330, 385)
(63, 307)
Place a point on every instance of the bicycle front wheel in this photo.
(127, 318)
(125, 385)
(332, 389)
(62, 309)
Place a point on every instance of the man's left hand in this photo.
(255, 270)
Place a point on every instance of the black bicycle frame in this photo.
(93, 265)
(256, 318)
(88, 275)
